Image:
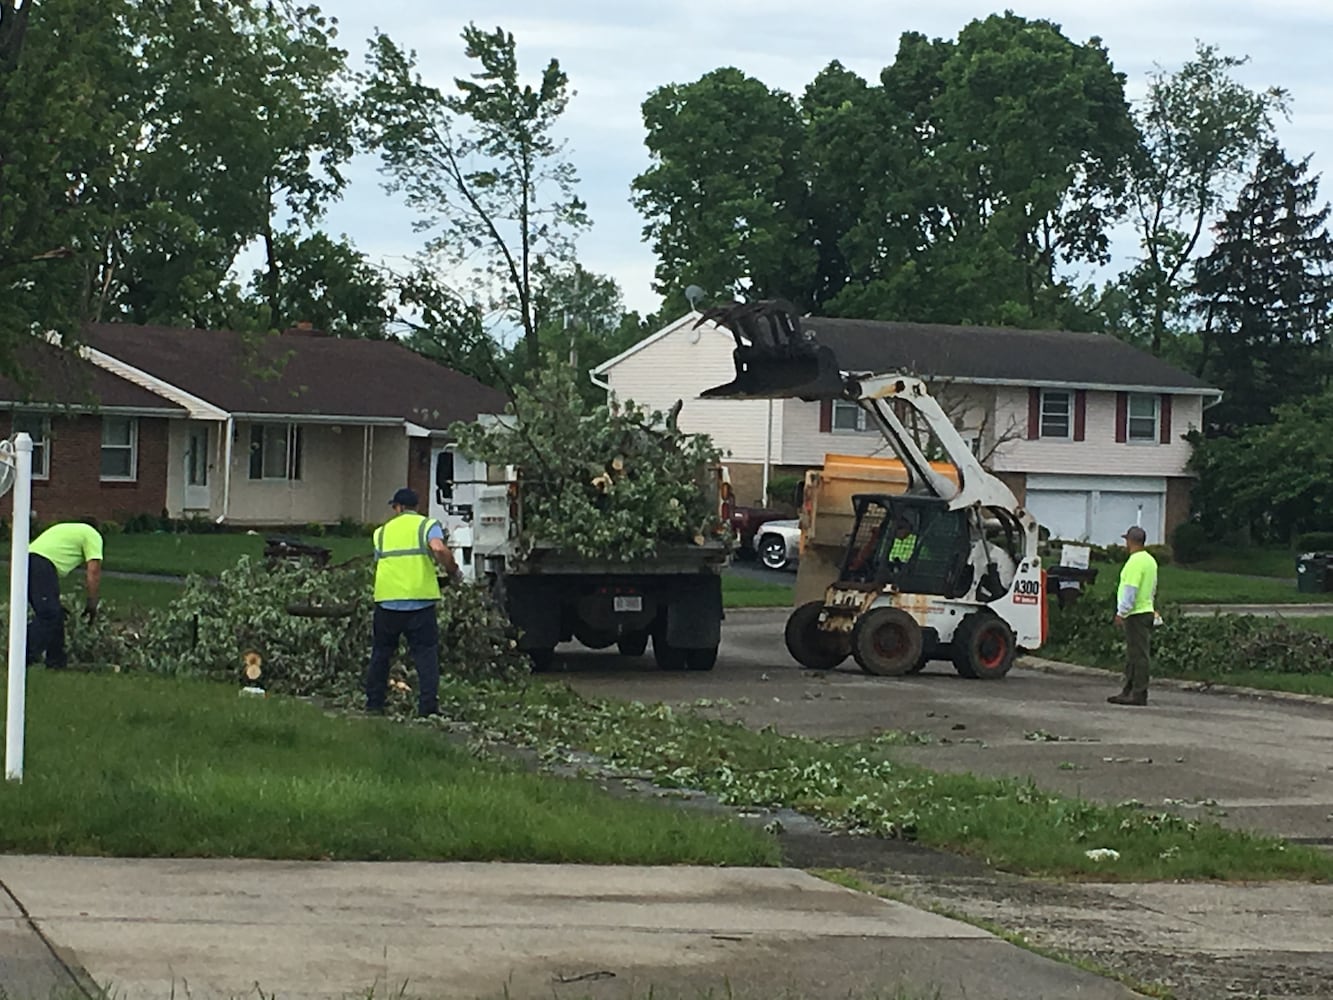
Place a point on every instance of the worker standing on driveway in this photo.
(1135, 612)
(409, 550)
(56, 552)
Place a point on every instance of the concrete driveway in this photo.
(1258, 764)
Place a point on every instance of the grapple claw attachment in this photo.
(774, 358)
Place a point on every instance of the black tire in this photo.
(701, 659)
(887, 642)
(919, 665)
(668, 657)
(592, 638)
(984, 647)
(633, 644)
(810, 647)
(542, 659)
(772, 551)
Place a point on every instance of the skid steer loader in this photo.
(945, 570)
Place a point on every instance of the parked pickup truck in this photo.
(746, 522)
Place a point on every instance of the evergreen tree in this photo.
(1265, 293)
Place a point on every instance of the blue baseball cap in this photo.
(405, 498)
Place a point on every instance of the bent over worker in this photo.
(408, 550)
(55, 553)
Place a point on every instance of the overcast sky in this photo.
(615, 52)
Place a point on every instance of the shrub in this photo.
(1315, 541)
(1189, 542)
(1162, 553)
(782, 490)
(315, 530)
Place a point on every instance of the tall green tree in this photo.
(325, 282)
(724, 196)
(484, 169)
(1201, 130)
(1266, 294)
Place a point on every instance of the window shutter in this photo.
(1034, 414)
(825, 415)
(1122, 417)
(1165, 418)
(1081, 415)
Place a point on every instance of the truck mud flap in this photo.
(694, 614)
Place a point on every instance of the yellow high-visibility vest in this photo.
(404, 567)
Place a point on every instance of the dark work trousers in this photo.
(422, 631)
(46, 631)
(1138, 649)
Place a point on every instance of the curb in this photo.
(1042, 665)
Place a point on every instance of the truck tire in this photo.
(887, 642)
(633, 644)
(593, 639)
(542, 659)
(667, 656)
(810, 647)
(984, 646)
(701, 659)
(920, 664)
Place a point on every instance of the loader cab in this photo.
(914, 543)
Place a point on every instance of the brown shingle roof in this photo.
(1021, 357)
(300, 373)
(52, 376)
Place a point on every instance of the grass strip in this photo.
(860, 786)
(746, 592)
(137, 766)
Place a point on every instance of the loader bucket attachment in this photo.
(774, 358)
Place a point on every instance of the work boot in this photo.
(1129, 698)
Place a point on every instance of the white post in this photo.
(768, 453)
(18, 608)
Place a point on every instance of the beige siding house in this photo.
(1086, 429)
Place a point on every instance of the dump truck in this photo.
(672, 600)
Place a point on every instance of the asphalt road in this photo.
(1252, 763)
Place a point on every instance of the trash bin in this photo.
(1312, 572)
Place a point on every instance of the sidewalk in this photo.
(226, 928)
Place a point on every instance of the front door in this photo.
(196, 468)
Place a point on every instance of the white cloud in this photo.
(615, 53)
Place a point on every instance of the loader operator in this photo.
(409, 549)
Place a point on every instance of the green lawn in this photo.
(1255, 561)
(208, 555)
(151, 767)
(1190, 585)
(745, 592)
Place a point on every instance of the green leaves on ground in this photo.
(859, 786)
(609, 482)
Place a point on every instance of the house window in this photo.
(848, 417)
(120, 447)
(38, 428)
(275, 451)
(1142, 422)
(1056, 413)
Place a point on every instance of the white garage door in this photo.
(1112, 513)
(1064, 513)
(1097, 516)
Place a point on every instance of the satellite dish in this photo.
(693, 295)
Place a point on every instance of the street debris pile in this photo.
(608, 482)
(1184, 646)
(289, 629)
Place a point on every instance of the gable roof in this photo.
(300, 373)
(998, 355)
(50, 376)
(980, 354)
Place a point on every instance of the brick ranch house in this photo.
(290, 428)
(1086, 429)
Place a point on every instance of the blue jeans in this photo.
(46, 631)
(422, 631)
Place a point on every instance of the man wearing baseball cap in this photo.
(1134, 613)
(409, 550)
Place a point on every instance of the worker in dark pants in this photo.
(1135, 613)
(57, 552)
(409, 551)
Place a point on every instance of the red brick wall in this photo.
(74, 488)
(418, 469)
(1178, 497)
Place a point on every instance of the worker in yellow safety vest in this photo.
(57, 552)
(410, 550)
